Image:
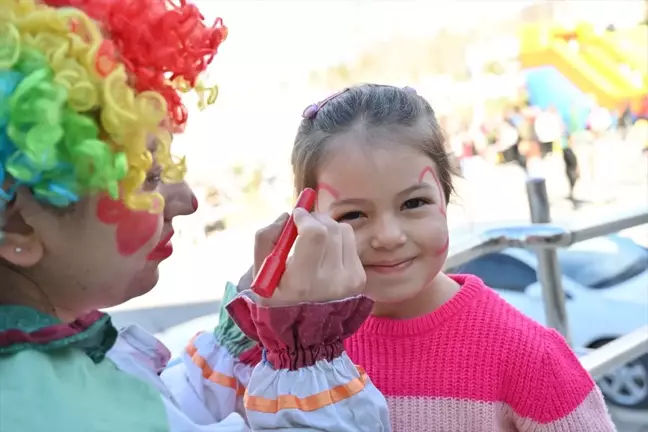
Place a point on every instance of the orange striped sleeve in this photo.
(309, 403)
(209, 374)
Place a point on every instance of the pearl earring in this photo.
(18, 250)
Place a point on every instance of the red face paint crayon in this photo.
(273, 267)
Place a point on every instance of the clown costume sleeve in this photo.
(294, 354)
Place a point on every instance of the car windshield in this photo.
(604, 261)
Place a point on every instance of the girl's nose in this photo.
(388, 234)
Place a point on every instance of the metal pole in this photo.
(548, 268)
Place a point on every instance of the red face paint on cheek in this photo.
(428, 170)
(439, 253)
(194, 202)
(134, 228)
(443, 249)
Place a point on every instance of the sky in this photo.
(274, 44)
(263, 68)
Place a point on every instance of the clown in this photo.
(89, 102)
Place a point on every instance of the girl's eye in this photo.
(349, 216)
(415, 203)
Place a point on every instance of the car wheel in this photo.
(626, 386)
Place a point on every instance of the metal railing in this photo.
(545, 238)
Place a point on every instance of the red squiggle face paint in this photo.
(325, 188)
(194, 202)
(442, 251)
(429, 171)
(439, 253)
(135, 229)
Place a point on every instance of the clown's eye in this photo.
(153, 179)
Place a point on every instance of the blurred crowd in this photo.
(524, 134)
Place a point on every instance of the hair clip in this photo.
(311, 110)
(410, 90)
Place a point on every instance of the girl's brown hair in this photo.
(373, 108)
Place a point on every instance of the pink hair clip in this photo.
(410, 90)
(311, 110)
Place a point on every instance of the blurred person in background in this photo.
(572, 169)
(549, 129)
(625, 121)
(642, 120)
(510, 138)
(456, 144)
(529, 144)
(599, 120)
(643, 109)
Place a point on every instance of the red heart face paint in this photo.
(135, 229)
(325, 187)
(428, 172)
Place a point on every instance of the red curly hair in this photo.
(165, 45)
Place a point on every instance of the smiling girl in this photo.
(448, 353)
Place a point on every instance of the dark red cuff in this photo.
(298, 336)
(253, 356)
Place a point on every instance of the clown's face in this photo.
(99, 253)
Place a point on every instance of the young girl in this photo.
(88, 194)
(448, 353)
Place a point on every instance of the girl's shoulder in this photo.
(533, 353)
(486, 317)
(516, 333)
(539, 377)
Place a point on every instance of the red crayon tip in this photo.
(273, 267)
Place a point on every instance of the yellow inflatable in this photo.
(607, 65)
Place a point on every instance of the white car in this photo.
(606, 286)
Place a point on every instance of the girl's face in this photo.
(98, 254)
(394, 201)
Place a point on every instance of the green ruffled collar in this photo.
(24, 328)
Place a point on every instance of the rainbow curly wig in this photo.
(84, 84)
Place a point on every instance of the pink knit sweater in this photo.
(477, 364)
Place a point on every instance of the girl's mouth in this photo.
(163, 250)
(390, 268)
